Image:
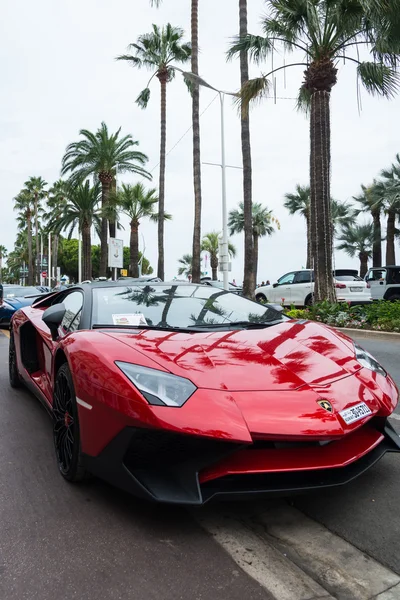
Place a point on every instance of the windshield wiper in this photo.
(155, 327)
(244, 324)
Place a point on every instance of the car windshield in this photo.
(19, 292)
(178, 306)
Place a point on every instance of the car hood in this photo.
(282, 357)
(18, 302)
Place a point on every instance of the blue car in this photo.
(13, 297)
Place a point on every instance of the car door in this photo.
(376, 280)
(301, 287)
(283, 289)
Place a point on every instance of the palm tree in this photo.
(324, 32)
(158, 51)
(387, 194)
(82, 210)
(137, 203)
(24, 203)
(99, 154)
(186, 263)
(262, 223)
(57, 200)
(210, 243)
(3, 254)
(370, 203)
(249, 278)
(196, 271)
(357, 239)
(36, 186)
(299, 203)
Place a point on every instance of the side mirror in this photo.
(275, 285)
(53, 317)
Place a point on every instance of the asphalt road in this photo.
(92, 541)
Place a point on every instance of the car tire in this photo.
(309, 301)
(14, 378)
(394, 297)
(261, 298)
(66, 432)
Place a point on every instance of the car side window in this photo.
(376, 275)
(303, 277)
(73, 308)
(287, 279)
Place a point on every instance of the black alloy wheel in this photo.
(14, 378)
(66, 427)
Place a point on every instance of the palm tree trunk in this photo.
(321, 229)
(86, 252)
(112, 227)
(249, 277)
(134, 249)
(196, 265)
(377, 245)
(105, 194)
(390, 232)
(363, 256)
(309, 259)
(255, 255)
(37, 270)
(161, 192)
(55, 256)
(30, 254)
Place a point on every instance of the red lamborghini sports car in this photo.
(183, 393)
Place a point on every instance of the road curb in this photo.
(370, 333)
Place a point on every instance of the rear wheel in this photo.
(394, 297)
(261, 298)
(309, 301)
(66, 432)
(14, 378)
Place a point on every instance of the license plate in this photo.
(356, 289)
(355, 413)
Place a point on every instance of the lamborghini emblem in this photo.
(325, 405)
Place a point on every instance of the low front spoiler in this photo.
(138, 463)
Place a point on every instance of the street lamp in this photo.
(223, 252)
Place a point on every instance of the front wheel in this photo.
(309, 301)
(394, 297)
(67, 443)
(14, 378)
(261, 298)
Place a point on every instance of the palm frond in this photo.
(379, 79)
(253, 90)
(303, 102)
(143, 99)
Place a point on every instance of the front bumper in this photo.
(182, 469)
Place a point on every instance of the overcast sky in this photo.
(59, 75)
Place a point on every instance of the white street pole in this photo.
(225, 257)
(41, 259)
(79, 258)
(49, 263)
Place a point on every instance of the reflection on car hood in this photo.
(282, 357)
(17, 302)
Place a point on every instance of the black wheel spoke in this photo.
(64, 423)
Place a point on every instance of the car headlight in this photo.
(368, 361)
(158, 387)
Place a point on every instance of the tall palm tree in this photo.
(186, 263)
(210, 243)
(36, 186)
(98, 154)
(56, 201)
(357, 240)
(299, 203)
(263, 223)
(82, 210)
(249, 278)
(370, 203)
(387, 193)
(137, 203)
(158, 51)
(3, 254)
(324, 32)
(194, 19)
(24, 204)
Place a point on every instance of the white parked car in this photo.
(384, 283)
(297, 288)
